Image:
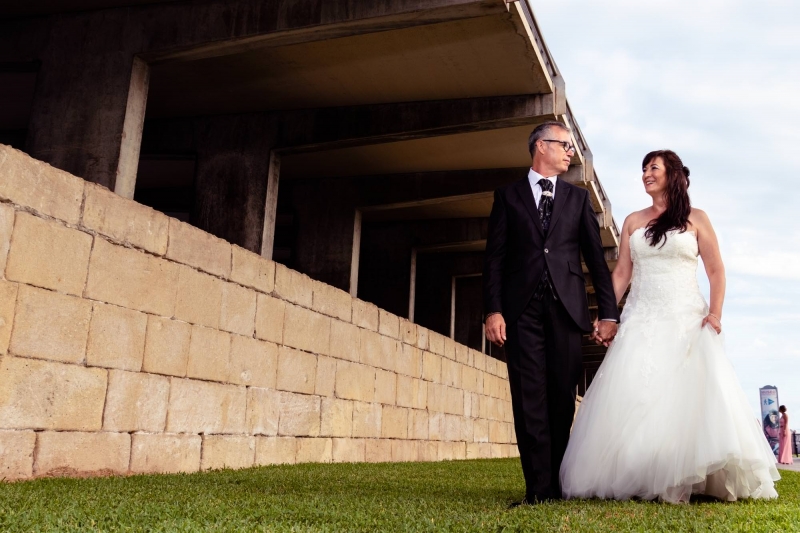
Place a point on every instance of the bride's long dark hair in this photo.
(676, 196)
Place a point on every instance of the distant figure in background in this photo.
(785, 454)
(772, 430)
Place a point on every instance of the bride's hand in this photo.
(713, 321)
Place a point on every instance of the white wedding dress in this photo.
(665, 416)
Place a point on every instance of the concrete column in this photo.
(81, 99)
(233, 174)
(271, 205)
(131, 142)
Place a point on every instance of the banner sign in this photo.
(770, 418)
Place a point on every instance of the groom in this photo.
(535, 301)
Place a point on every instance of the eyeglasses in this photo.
(567, 146)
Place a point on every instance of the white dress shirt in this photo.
(533, 179)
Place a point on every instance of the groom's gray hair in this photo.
(541, 131)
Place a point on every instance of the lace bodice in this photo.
(664, 281)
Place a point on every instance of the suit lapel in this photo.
(526, 195)
(562, 191)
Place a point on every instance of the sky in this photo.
(719, 83)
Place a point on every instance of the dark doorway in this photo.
(166, 183)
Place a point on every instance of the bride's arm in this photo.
(621, 277)
(712, 260)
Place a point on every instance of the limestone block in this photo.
(136, 402)
(513, 433)
(307, 330)
(263, 411)
(385, 387)
(437, 397)
(471, 379)
(454, 401)
(45, 395)
(452, 427)
(199, 298)
(337, 418)
(422, 338)
(502, 370)
(365, 315)
(409, 361)
(404, 451)
(497, 451)
(408, 332)
(394, 422)
(446, 451)
(131, 279)
(116, 338)
(68, 453)
(478, 450)
(293, 286)
(314, 450)
(499, 432)
(418, 422)
(252, 270)
(8, 305)
(297, 371)
(166, 348)
(450, 348)
(349, 450)
(451, 373)
(253, 362)
(431, 367)
(326, 376)
(275, 450)
(345, 341)
(354, 381)
(47, 254)
(468, 405)
(228, 451)
(238, 312)
(411, 392)
(45, 189)
(6, 227)
(462, 353)
(459, 450)
(428, 451)
(367, 419)
(165, 453)
(378, 451)
(491, 365)
(332, 301)
(16, 454)
(203, 407)
(389, 349)
(269, 318)
(435, 426)
(300, 415)
(476, 405)
(124, 220)
(479, 361)
(196, 248)
(48, 325)
(388, 324)
(436, 342)
(209, 354)
(371, 348)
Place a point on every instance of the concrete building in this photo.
(356, 142)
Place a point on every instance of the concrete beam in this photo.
(191, 31)
(331, 128)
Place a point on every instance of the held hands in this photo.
(604, 332)
(496, 329)
(713, 321)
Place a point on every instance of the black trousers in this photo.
(543, 350)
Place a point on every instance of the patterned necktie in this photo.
(546, 203)
(545, 212)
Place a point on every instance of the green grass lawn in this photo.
(452, 496)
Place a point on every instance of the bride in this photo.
(665, 416)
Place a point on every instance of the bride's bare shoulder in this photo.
(699, 219)
(635, 220)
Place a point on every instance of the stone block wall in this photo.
(131, 342)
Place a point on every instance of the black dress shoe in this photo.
(530, 500)
(522, 503)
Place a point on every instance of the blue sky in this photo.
(719, 83)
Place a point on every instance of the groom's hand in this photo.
(605, 331)
(496, 329)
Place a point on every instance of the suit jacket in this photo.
(517, 250)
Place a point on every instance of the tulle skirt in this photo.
(665, 417)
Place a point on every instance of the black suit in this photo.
(543, 348)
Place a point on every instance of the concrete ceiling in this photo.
(468, 206)
(49, 7)
(485, 56)
(498, 148)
